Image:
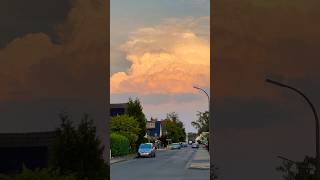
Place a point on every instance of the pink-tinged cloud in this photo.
(167, 58)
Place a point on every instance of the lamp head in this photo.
(269, 80)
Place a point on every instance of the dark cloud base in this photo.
(43, 115)
(18, 19)
(255, 121)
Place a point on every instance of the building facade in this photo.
(118, 109)
(30, 149)
(154, 128)
(33, 149)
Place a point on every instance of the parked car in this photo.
(183, 144)
(175, 146)
(206, 146)
(195, 145)
(146, 150)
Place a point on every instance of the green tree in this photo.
(91, 164)
(64, 147)
(135, 110)
(173, 116)
(79, 151)
(175, 128)
(202, 123)
(127, 126)
(192, 136)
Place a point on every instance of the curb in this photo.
(162, 149)
(128, 157)
(199, 163)
(117, 160)
(203, 166)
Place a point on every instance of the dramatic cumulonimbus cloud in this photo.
(33, 66)
(40, 77)
(168, 58)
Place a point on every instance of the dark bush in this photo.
(119, 145)
(39, 174)
(78, 150)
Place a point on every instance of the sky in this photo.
(52, 60)
(159, 51)
(256, 121)
(253, 39)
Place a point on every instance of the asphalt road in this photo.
(167, 165)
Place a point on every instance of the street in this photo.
(168, 165)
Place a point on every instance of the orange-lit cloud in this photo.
(256, 39)
(167, 58)
(34, 67)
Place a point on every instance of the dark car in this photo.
(195, 145)
(146, 150)
(183, 144)
(175, 146)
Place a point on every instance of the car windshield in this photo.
(175, 144)
(145, 146)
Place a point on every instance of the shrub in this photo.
(126, 126)
(119, 145)
(39, 174)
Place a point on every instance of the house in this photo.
(163, 127)
(154, 128)
(30, 149)
(118, 109)
(33, 149)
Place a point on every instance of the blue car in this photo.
(146, 150)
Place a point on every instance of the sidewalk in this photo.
(201, 160)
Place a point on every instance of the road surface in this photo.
(167, 165)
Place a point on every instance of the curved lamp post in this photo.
(315, 117)
(206, 94)
(212, 174)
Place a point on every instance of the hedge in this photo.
(119, 145)
(38, 174)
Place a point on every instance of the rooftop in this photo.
(27, 139)
(119, 105)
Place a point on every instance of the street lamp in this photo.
(212, 173)
(315, 117)
(206, 94)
